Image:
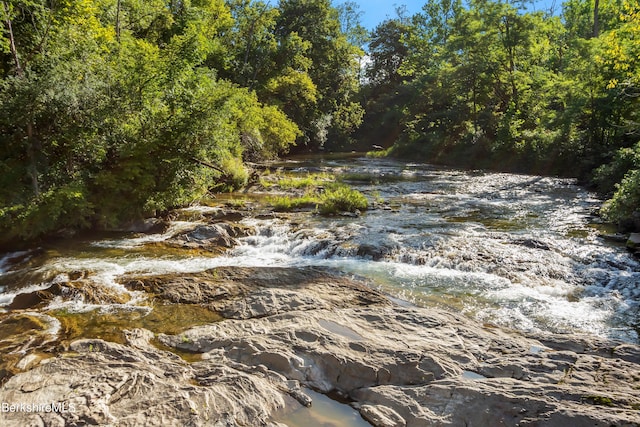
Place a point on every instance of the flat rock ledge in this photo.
(399, 366)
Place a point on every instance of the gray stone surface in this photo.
(288, 328)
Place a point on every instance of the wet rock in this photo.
(533, 244)
(246, 292)
(213, 237)
(31, 299)
(22, 336)
(401, 366)
(81, 289)
(147, 226)
(200, 288)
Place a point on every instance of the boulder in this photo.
(212, 237)
(633, 243)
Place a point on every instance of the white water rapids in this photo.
(514, 250)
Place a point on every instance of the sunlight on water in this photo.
(324, 412)
(513, 250)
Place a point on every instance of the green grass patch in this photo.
(288, 182)
(342, 198)
(291, 203)
(379, 153)
(334, 199)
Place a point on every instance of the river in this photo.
(517, 251)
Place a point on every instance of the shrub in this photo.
(341, 198)
(235, 175)
(626, 199)
(288, 203)
(607, 176)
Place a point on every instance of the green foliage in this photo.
(333, 69)
(609, 174)
(319, 193)
(287, 182)
(341, 198)
(291, 203)
(625, 202)
(235, 173)
(59, 208)
(111, 114)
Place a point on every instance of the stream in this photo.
(518, 251)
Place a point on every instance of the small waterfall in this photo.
(514, 250)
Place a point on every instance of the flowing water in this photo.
(514, 250)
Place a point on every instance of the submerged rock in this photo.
(287, 327)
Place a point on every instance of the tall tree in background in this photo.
(383, 91)
(334, 70)
(489, 84)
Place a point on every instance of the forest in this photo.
(113, 110)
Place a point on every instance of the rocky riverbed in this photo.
(457, 299)
(286, 330)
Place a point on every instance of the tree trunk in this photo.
(12, 41)
(31, 149)
(118, 21)
(596, 19)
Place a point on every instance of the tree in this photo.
(116, 113)
(333, 70)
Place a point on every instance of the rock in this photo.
(147, 226)
(246, 292)
(533, 244)
(28, 361)
(400, 366)
(633, 243)
(104, 383)
(381, 416)
(81, 289)
(213, 237)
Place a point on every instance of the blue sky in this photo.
(376, 11)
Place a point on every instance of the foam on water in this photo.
(6, 260)
(496, 246)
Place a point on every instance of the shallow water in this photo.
(513, 250)
(324, 412)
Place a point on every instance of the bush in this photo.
(63, 207)
(235, 175)
(287, 203)
(607, 176)
(341, 198)
(625, 202)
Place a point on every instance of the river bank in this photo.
(458, 297)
